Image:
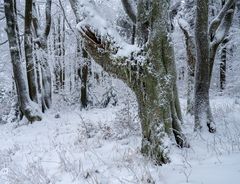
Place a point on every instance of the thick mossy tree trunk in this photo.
(158, 100)
(153, 80)
(28, 107)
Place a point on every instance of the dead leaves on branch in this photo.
(93, 40)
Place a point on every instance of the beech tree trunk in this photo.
(223, 65)
(84, 79)
(28, 45)
(191, 61)
(153, 82)
(203, 114)
(45, 86)
(188, 29)
(83, 72)
(28, 107)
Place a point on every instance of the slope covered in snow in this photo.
(100, 146)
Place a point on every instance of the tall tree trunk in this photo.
(188, 28)
(46, 90)
(191, 61)
(154, 82)
(28, 45)
(42, 46)
(84, 79)
(63, 73)
(223, 65)
(203, 114)
(58, 67)
(28, 107)
(208, 38)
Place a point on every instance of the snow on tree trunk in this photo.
(186, 24)
(221, 31)
(202, 111)
(45, 83)
(153, 80)
(191, 61)
(28, 107)
(28, 41)
(46, 90)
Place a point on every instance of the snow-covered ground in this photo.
(100, 146)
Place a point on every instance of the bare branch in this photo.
(64, 14)
(217, 20)
(223, 28)
(129, 10)
(184, 28)
(220, 35)
(1, 8)
(2, 43)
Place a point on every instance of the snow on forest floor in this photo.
(94, 147)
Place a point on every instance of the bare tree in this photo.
(28, 107)
(44, 73)
(186, 24)
(219, 28)
(208, 39)
(153, 80)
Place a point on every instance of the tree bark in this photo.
(84, 79)
(202, 109)
(223, 65)
(221, 31)
(41, 45)
(28, 107)
(28, 45)
(191, 62)
(143, 21)
(154, 81)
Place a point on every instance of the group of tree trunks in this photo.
(153, 80)
(203, 48)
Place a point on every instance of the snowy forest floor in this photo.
(99, 146)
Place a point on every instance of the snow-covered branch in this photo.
(41, 39)
(223, 28)
(184, 26)
(220, 35)
(90, 21)
(214, 25)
